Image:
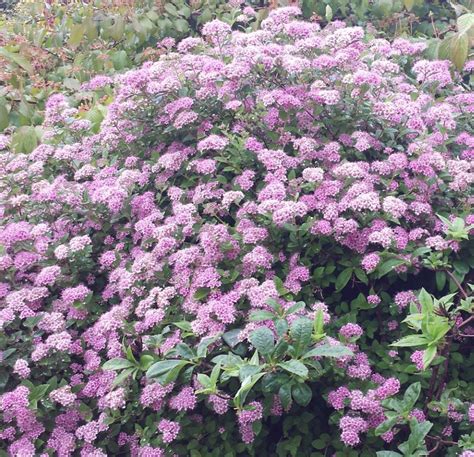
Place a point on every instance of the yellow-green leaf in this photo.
(77, 32)
(409, 4)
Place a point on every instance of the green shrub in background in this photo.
(57, 48)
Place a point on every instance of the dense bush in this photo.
(232, 262)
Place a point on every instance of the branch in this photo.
(458, 284)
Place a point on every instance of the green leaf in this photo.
(386, 426)
(299, 306)
(285, 395)
(302, 394)
(245, 388)
(181, 25)
(231, 337)
(201, 293)
(300, 331)
(343, 278)
(411, 341)
(184, 325)
(204, 345)
(171, 9)
(409, 4)
(428, 356)
(411, 396)
(388, 454)
(261, 315)
(440, 280)
(76, 35)
(263, 340)
(426, 301)
(4, 118)
(17, 59)
(282, 291)
(24, 140)
(117, 28)
(145, 361)
(117, 364)
(388, 266)
(294, 367)
(326, 350)
(163, 367)
(119, 59)
(121, 377)
(419, 430)
(455, 48)
(361, 276)
(465, 24)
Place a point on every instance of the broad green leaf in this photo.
(204, 345)
(117, 364)
(326, 350)
(76, 35)
(201, 293)
(163, 367)
(300, 331)
(409, 4)
(411, 396)
(204, 380)
(263, 340)
(388, 454)
(285, 395)
(181, 25)
(386, 426)
(411, 341)
(171, 9)
(428, 356)
(122, 376)
(231, 337)
(245, 388)
(388, 266)
(419, 430)
(440, 280)
(426, 301)
(465, 24)
(24, 140)
(145, 361)
(294, 367)
(117, 28)
(302, 394)
(299, 306)
(343, 278)
(280, 286)
(261, 315)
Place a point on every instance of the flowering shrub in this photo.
(232, 263)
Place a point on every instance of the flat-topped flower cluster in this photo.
(288, 164)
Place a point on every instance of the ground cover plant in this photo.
(264, 248)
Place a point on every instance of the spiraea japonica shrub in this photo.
(263, 250)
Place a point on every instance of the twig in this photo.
(458, 284)
(469, 319)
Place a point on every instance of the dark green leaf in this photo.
(411, 396)
(294, 367)
(263, 340)
(326, 350)
(343, 278)
(117, 364)
(300, 331)
(302, 394)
